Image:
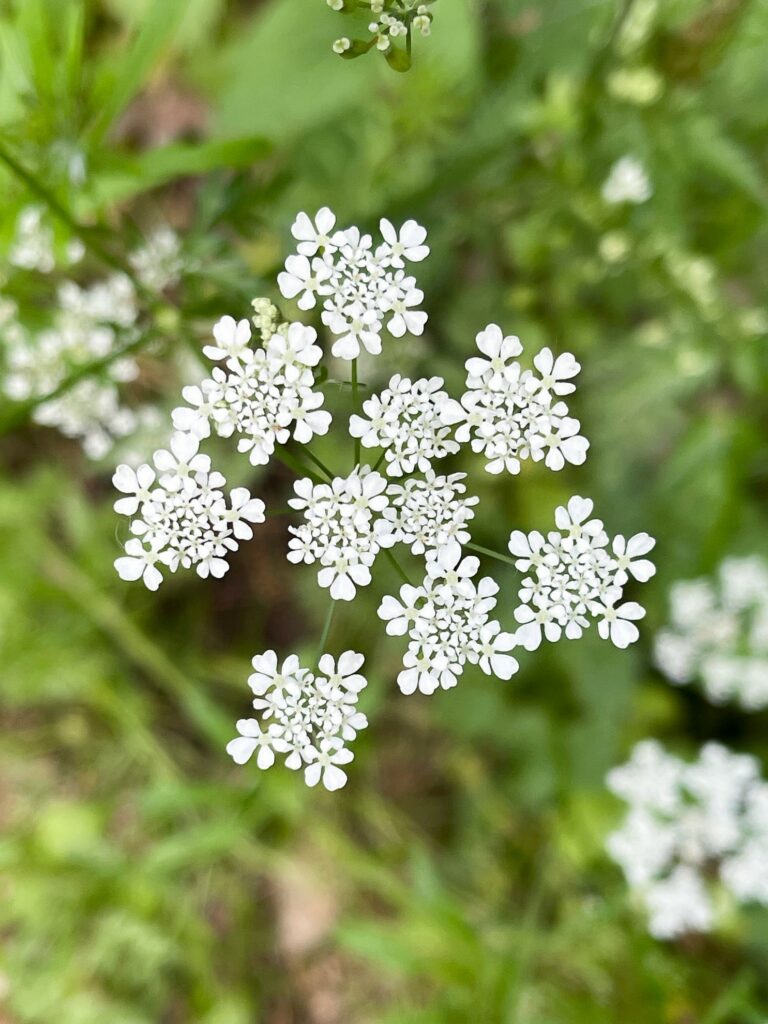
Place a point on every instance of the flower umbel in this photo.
(267, 392)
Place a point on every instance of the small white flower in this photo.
(324, 764)
(627, 182)
(315, 235)
(232, 338)
(718, 631)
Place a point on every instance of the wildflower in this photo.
(307, 717)
(267, 393)
(412, 421)
(574, 577)
(691, 829)
(509, 413)
(627, 182)
(158, 262)
(88, 324)
(447, 623)
(32, 248)
(342, 529)
(264, 395)
(718, 634)
(362, 290)
(430, 513)
(184, 520)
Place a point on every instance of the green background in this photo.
(460, 876)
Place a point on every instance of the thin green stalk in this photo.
(491, 554)
(355, 392)
(326, 631)
(379, 460)
(396, 566)
(319, 463)
(296, 465)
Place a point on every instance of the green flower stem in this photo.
(396, 566)
(379, 460)
(491, 554)
(319, 463)
(296, 465)
(326, 631)
(355, 401)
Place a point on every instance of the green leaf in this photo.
(155, 35)
(398, 59)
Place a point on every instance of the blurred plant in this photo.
(688, 827)
(393, 20)
(719, 634)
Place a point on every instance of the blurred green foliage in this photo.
(460, 876)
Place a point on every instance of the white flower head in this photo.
(573, 578)
(690, 828)
(718, 632)
(306, 717)
(362, 290)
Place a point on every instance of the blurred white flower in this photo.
(718, 634)
(691, 828)
(158, 262)
(627, 182)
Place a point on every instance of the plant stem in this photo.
(379, 460)
(326, 631)
(319, 463)
(491, 554)
(356, 404)
(296, 465)
(396, 566)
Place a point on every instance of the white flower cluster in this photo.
(264, 396)
(305, 716)
(510, 414)
(627, 182)
(574, 576)
(34, 244)
(447, 623)
(395, 18)
(692, 830)
(430, 513)
(362, 289)
(343, 529)
(718, 633)
(88, 325)
(411, 421)
(184, 520)
(158, 263)
(269, 395)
